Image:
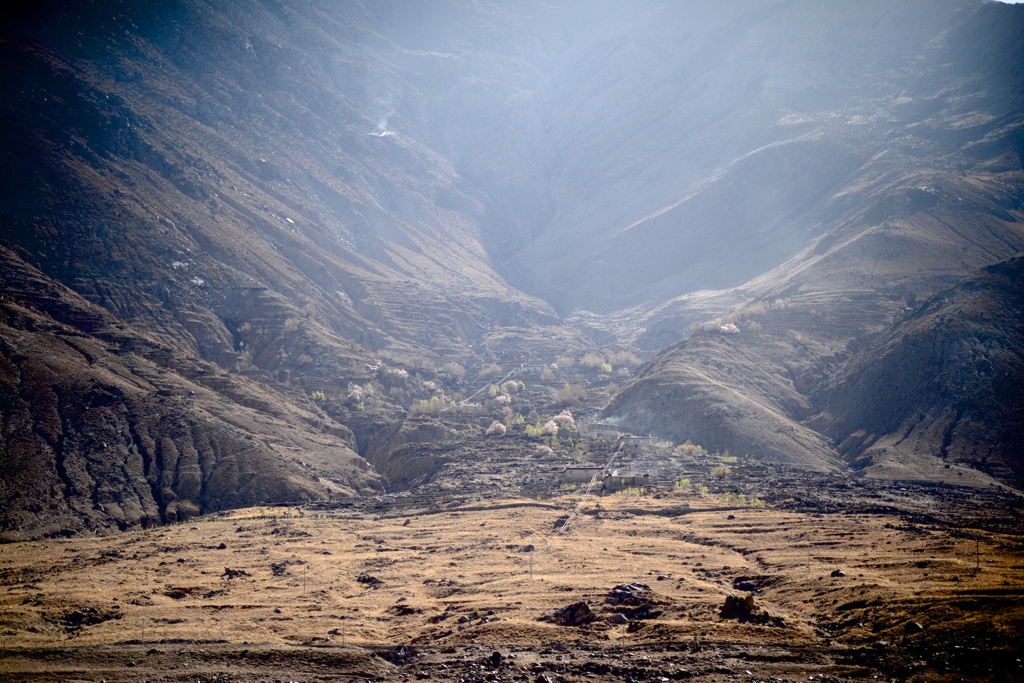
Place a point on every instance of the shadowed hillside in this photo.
(945, 386)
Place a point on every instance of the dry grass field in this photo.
(285, 595)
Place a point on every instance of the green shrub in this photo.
(569, 394)
(453, 370)
(721, 472)
(683, 484)
(690, 448)
(624, 358)
(434, 406)
(492, 370)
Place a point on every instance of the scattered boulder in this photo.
(234, 573)
(87, 616)
(838, 573)
(368, 580)
(404, 610)
(528, 548)
(633, 600)
(912, 627)
(631, 594)
(745, 610)
(576, 614)
(397, 655)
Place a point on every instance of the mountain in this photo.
(943, 387)
(936, 197)
(242, 239)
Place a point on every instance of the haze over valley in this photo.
(426, 256)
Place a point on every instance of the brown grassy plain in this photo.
(284, 595)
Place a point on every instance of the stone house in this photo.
(635, 443)
(581, 474)
(598, 430)
(616, 482)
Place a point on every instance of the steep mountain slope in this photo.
(165, 136)
(943, 387)
(689, 147)
(204, 174)
(104, 427)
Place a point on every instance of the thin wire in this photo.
(579, 506)
(486, 386)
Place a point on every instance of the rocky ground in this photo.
(669, 584)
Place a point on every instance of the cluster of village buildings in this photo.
(609, 479)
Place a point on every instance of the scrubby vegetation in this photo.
(721, 472)
(569, 394)
(432, 406)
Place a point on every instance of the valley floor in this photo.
(632, 590)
